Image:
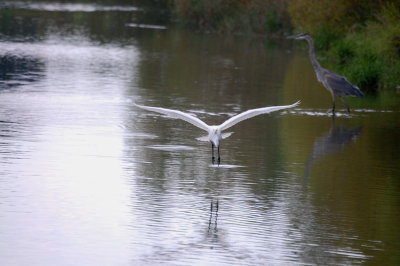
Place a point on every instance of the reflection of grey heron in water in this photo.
(337, 85)
(330, 143)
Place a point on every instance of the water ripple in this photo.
(67, 7)
(171, 148)
(146, 26)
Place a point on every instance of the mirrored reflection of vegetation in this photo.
(100, 22)
(18, 70)
(195, 65)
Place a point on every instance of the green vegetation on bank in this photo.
(361, 38)
(233, 16)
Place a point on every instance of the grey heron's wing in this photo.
(341, 86)
(253, 112)
(177, 114)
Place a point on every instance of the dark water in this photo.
(86, 178)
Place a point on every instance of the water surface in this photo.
(87, 178)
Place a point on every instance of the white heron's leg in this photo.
(212, 153)
(347, 106)
(219, 158)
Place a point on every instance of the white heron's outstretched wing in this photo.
(177, 114)
(253, 112)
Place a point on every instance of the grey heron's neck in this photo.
(311, 52)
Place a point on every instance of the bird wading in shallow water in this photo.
(337, 85)
(215, 134)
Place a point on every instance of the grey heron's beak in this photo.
(297, 36)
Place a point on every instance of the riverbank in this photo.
(232, 17)
(359, 40)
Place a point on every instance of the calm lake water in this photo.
(87, 178)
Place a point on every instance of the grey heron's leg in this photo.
(212, 153)
(219, 158)
(333, 103)
(347, 106)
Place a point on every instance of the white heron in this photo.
(215, 134)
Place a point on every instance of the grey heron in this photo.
(215, 134)
(336, 84)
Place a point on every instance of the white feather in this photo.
(253, 112)
(178, 114)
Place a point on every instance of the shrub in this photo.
(246, 16)
(362, 37)
(367, 74)
(324, 38)
(344, 52)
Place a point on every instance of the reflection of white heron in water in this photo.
(215, 134)
(329, 143)
(337, 85)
